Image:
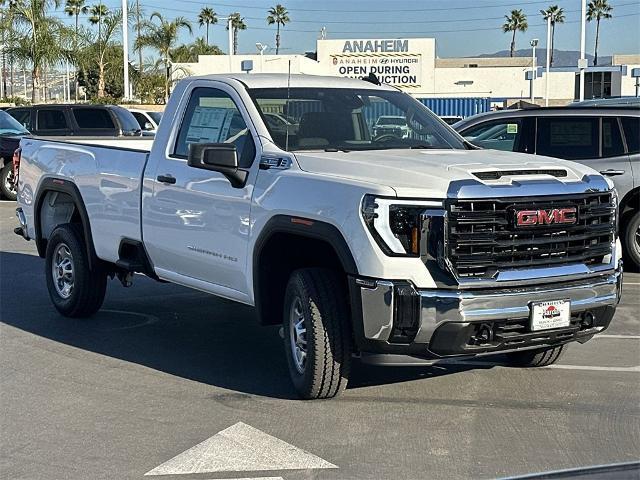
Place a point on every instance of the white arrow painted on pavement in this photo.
(240, 448)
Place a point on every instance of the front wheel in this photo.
(632, 239)
(7, 187)
(75, 289)
(317, 336)
(540, 357)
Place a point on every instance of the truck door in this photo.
(195, 223)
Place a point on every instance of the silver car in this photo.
(604, 138)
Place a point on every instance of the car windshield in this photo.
(156, 116)
(10, 126)
(347, 119)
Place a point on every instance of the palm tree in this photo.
(597, 10)
(556, 14)
(162, 36)
(237, 23)
(75, 8)
(280, 16)
(98, 12)
(207, 16)
(517, 21)
(112, 22)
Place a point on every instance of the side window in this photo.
(571, 138)
(142, 120)
(93, 119)
(631, 127)
(499, 135)
(213, 117)
(22, 116)
(611, 138)
(50, 119)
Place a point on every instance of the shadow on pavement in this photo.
(174, 330)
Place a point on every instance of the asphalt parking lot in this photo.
(168, 381)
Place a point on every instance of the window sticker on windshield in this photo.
(209, 125)
(512, 128)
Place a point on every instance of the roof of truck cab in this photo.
(281, 80)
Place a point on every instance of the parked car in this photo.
(604, 138)
(148, 120)
(393, 249)
(77, 120)
(10, 133)
(608, 102)
(391, 125)
(450, 119)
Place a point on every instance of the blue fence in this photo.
(457, 107)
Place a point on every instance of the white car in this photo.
(393, 250)
(148, 120)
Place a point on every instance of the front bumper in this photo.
(399, 319)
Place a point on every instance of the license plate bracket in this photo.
(549, 315)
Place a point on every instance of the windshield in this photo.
(156, 116)
(10, 126)
(349, 119)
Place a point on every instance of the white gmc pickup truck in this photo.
(397, 249)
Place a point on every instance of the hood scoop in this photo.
(498, 174)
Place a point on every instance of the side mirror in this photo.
(218, 157)
(148, 126)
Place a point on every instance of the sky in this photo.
(461, 27)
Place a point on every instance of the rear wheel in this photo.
(536, 358)
(317, 337)
(632, 239)
(74, 288)
(6, 182)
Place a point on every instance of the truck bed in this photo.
(106, 171)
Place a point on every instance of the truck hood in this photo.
(428, 173)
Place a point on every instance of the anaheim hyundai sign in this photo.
(390, 60)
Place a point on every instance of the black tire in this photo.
(7, 189)
(88, 287)
(536, 358)
(631, 240)
(323, 304)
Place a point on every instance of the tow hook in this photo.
(126, 278)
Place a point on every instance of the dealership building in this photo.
(466, 85)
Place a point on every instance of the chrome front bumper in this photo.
(388, 305)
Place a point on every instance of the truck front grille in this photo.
(483, 238)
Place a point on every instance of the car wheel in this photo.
(632, 240)
(317, 336)
(75, 289)
(536, 358)
(7, 187)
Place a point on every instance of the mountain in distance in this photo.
(561, 58)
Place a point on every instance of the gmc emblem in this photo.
(556, 216)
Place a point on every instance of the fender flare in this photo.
(63, 186)
(303, 227)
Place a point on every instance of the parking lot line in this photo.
(632, 337)
(596, 368)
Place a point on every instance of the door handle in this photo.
(166, 179)
(611, 172)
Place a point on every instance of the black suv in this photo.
(77, 120)
(606, 139)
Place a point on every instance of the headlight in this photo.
(408, 228)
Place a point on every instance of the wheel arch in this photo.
(48, 188)
(630, 200)
(287, 243)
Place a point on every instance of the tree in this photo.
(598, 10)
(41, 39)
(207, 16)
(237, 23)
(280, 16)
(556, 14)
(75, 8)
(98, 12)
(162, 36)
(515, 22)
(112, 23)
(189, 53)
(7, 33)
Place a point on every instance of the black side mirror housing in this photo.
(218, 157)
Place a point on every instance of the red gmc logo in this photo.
(525, 218)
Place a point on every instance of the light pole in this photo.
(262, 48)
(125, 47)
(548, 65)
(534, 44)
(582, 63)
